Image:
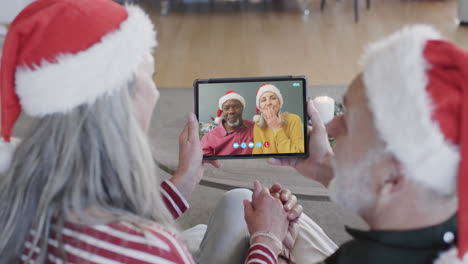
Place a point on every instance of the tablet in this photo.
(255, 117)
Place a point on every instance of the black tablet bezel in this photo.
(197, 82)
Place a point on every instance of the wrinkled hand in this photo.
(293, 209)
(317, 166)
(273, 120)
(266, 214)
(190, 169)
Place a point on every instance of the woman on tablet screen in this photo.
(277, 132)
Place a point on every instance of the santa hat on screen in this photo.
(59, 54)
(230, 95)
(417, 88)
(263, 89)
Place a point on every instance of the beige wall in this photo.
(10, 8)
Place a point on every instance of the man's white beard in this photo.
(351, 186)
(234, 124)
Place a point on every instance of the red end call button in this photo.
(266, 144)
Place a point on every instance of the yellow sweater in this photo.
(288, 139)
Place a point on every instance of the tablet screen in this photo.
(252, 117)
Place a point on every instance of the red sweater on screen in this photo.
(220, 142)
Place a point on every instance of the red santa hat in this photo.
(417, 86)
(263, 89)
(230, 95)
(59, 54)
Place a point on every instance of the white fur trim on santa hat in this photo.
(217, 120)
(256, 118)
(230, 96)
(394, 74)
(83, 77)
(451, 257)
(7, 151)
(268, 88)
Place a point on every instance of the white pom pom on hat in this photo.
(256, 117)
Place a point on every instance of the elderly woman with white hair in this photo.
(278, 131)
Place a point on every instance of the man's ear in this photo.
(391, 179)
(396, 183)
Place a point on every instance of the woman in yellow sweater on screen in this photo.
(275, 131)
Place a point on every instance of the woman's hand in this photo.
(273, 120)
(190, 169)
(293, 209)
(266, 214)
(318, 165)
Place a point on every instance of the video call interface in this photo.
(245, 119)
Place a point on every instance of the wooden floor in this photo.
(325, 47)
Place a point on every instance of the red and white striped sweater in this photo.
(124, 242)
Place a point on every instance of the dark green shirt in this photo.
(417, 246)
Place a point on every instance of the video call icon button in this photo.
(251, 144)
(259, 144)
(266, 144)
(235, 145)
(243, 145)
